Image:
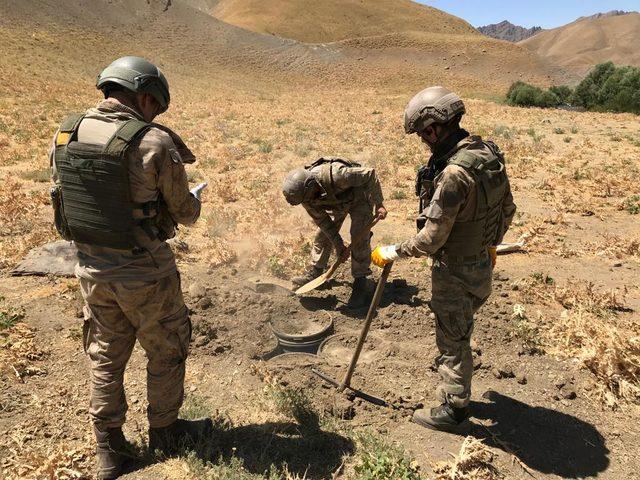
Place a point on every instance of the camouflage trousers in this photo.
(118, 313)
(361, 215)
(457, 292)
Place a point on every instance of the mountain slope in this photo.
(586, 42)
(506, 30)
(332, 20)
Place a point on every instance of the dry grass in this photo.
(595, 327)
(473, 462)
(59, 462)
(20, 352)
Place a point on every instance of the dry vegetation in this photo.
(575, 178)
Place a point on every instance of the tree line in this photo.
(607, 88)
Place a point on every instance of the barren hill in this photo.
(192, 40)
(506, 30)
(332, 20)
(586, 42)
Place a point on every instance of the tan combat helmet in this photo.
(294, 187)
(431, 105)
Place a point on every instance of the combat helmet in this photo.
(295, 185)
(136, 75)
(431, 105)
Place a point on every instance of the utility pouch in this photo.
(59, 219)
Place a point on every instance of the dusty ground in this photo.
(545, 414)
(557, 347)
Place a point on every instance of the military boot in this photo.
(306, 277)
(112, 451)
(360, 293)
(443, 417)
(181, 433)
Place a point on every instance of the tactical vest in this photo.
(324, 176)
(94, 195)
(473, 237)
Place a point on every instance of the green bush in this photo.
(610, 88)
(525, 95)
(563, 93)
(607, 88)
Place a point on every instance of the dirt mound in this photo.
(584, 43)
(333, 20)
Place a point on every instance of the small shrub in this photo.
(381, 460)
(632, 204)
(558, 131)
(195, 408)
(567, 139)
(9, 316)
(399, 195)
(276, 267)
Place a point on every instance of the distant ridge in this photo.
(612, 13)
(578, 46)
(506, 30)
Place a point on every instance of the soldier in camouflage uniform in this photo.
(329, 190)
(120, 189)
(466, 208)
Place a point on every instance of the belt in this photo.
(447, 258)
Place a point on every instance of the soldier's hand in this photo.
(381, 256)
(381, 211)
(342, 251)
(493, 253)
(197, 191)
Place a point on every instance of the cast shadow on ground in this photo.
(307, 452)
(545, 440)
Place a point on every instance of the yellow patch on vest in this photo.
(63, 138)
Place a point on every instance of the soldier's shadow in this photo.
(545, 440)
(272, 447)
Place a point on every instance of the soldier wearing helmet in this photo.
(120, 190)
(466, 207)
(329, 190)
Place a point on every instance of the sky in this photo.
(542, 13)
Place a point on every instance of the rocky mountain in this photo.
(506, 30)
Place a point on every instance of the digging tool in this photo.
(346, 382)
(316, 282)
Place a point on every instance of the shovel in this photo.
(346, 382)
(316, 282)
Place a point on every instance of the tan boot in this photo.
(111, 452)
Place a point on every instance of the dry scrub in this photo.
(593, 326)
(473, 462)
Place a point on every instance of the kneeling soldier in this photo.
(329, 190)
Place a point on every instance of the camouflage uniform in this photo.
(347, 190)
(133, 295)
(460, 285)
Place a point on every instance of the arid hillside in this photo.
(586, 42)
(332, 20)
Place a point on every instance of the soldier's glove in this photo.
(384, 255)
(493, 254)
(197, 191)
